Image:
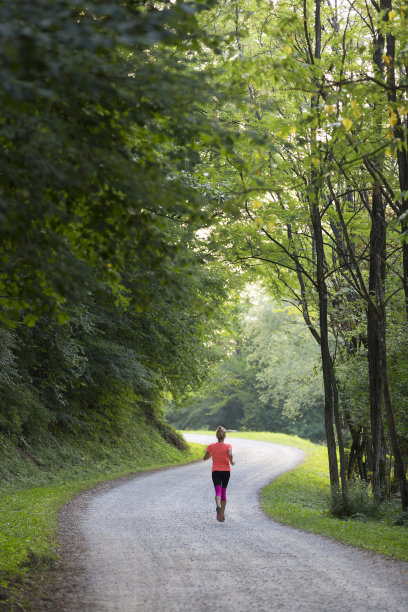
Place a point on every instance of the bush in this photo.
(357, 503)
(401, 519)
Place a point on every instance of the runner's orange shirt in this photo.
(219, 454)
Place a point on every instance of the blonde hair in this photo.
(221, 432)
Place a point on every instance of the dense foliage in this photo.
(106, 291)
(319, 177)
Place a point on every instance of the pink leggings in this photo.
(221, 492)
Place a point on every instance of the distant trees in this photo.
(268, 382)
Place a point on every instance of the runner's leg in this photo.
(218, 494)
(217, 481)
(224, 484)
(223, 500)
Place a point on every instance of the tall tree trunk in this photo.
(402, 153)
(375, 315)
(402, 158)
(324, 343)
(339, 429)
(356, 451)
(378, 255)
(404, 228)
(327, 364)
(334, 389)
(399, 468)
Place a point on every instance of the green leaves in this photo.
(104, 283)
(97, 112)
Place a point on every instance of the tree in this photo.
(267, 382)
(98, 126)
(317, 79)
(106, 292)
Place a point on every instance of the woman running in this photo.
(221, 454)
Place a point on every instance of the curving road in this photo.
(153, 543)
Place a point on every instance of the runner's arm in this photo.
(206, 456)
(232, 462)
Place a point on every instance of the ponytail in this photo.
(221, 433)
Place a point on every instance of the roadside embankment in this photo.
(36, 482)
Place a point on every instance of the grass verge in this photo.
(36, 484)
(300, 498)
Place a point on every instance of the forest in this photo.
(269, 381)
(204, 219)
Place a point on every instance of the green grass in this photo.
(36, 485)
(300, 498)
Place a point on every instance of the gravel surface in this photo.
(153, 543)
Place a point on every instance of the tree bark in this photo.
(402, 153)
(379, 385)
(375, 315)
(356, 452)
(404, 228)
(324, 343)
(339, 429)
(399, 468)
(327, 363)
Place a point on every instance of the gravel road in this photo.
(153, 543)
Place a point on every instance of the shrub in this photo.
(356, 503)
